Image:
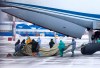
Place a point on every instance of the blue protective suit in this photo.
(73, 43)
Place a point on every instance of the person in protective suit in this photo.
(98, 40)
(28, 41)
(73, 43)
(61, 47)
(39, 41)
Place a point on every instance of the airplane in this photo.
(69, 17)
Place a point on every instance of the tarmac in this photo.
(78, 61)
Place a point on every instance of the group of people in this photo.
(34, 48)
(36, 45)
(62, 47)
(19, 46)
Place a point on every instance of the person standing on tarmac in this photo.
(98, 40)
(39, 41)
(22, 44)
(51, 43)
(28, 40)
(18, 42)
(39, 44)
(73, 43)
(17, 46)
(61, 48)
(35, 48)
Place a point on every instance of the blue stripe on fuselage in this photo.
(61, 10)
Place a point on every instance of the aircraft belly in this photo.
(50, 22)
(82, 21)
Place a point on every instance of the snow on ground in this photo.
(79, 61)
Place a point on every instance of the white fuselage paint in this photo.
(86, 6)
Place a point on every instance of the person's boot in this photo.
(61, 56)
(72, 55)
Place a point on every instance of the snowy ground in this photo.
(79, 61)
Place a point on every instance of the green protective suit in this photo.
(61, 47)
(98, 41)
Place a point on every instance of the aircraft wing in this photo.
(50, 16)
(49, 22)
